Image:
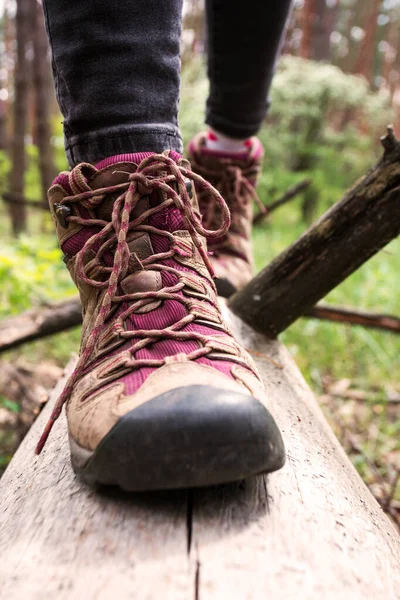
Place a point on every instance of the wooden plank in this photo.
(59, 539)
(312, 530)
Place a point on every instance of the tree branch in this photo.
(341, 314)
(16, 198)
(346, 236)
(39, 322)
(290, 193)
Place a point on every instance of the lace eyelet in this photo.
(189, 188)
(62, 211)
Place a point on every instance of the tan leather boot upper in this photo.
(134, 246)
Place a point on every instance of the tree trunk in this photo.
(3, 83)
(324, 23)
(346, 236)
(365, 61)
(18, 157)
(308, 16)
(318, 20)
(388, 72)
(3, 126)
(43, 95)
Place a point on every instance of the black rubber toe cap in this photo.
(188, 437)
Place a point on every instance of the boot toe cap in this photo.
(189, 436)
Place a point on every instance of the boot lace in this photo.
(234, 184)
(155, 173)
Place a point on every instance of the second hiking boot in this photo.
(163, 396)
(235, 177)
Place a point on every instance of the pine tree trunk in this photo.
(392, 38)
(3, 126)
(43, 96)
(367, 51)
(308, 16)
(18, 157)
(325, 18)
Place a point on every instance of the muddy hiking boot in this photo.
(162, 396)
(235, 177)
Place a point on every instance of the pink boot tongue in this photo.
(170, 219)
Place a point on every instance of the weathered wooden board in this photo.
(313, 530)
(60, 540)
(310, 531)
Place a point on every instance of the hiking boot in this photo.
(235, 177)
(162, 396)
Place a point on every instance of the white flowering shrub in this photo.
(315, 104)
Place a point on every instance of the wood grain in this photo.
(310, 531)
(59, 539)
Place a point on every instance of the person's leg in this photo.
(243, 45)
(162, 395)
(116, 70)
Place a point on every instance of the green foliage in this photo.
(31, 272)
(194, 93)
(323, 123)
(9, 404)
(309, 96)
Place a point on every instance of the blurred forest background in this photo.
(337, 87)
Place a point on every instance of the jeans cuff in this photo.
(94, 147)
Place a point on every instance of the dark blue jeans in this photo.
(116, 69)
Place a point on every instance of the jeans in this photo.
(116, 67)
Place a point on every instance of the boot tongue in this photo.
(113, 171)
(169, 219)
(110, 174)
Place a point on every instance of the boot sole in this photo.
(192, 436)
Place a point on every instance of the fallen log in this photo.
(345, 237)
(312, 530)
(16, 198)
(290, 193)
(341, 314)
(39, 322)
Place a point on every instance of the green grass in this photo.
(366, 355)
